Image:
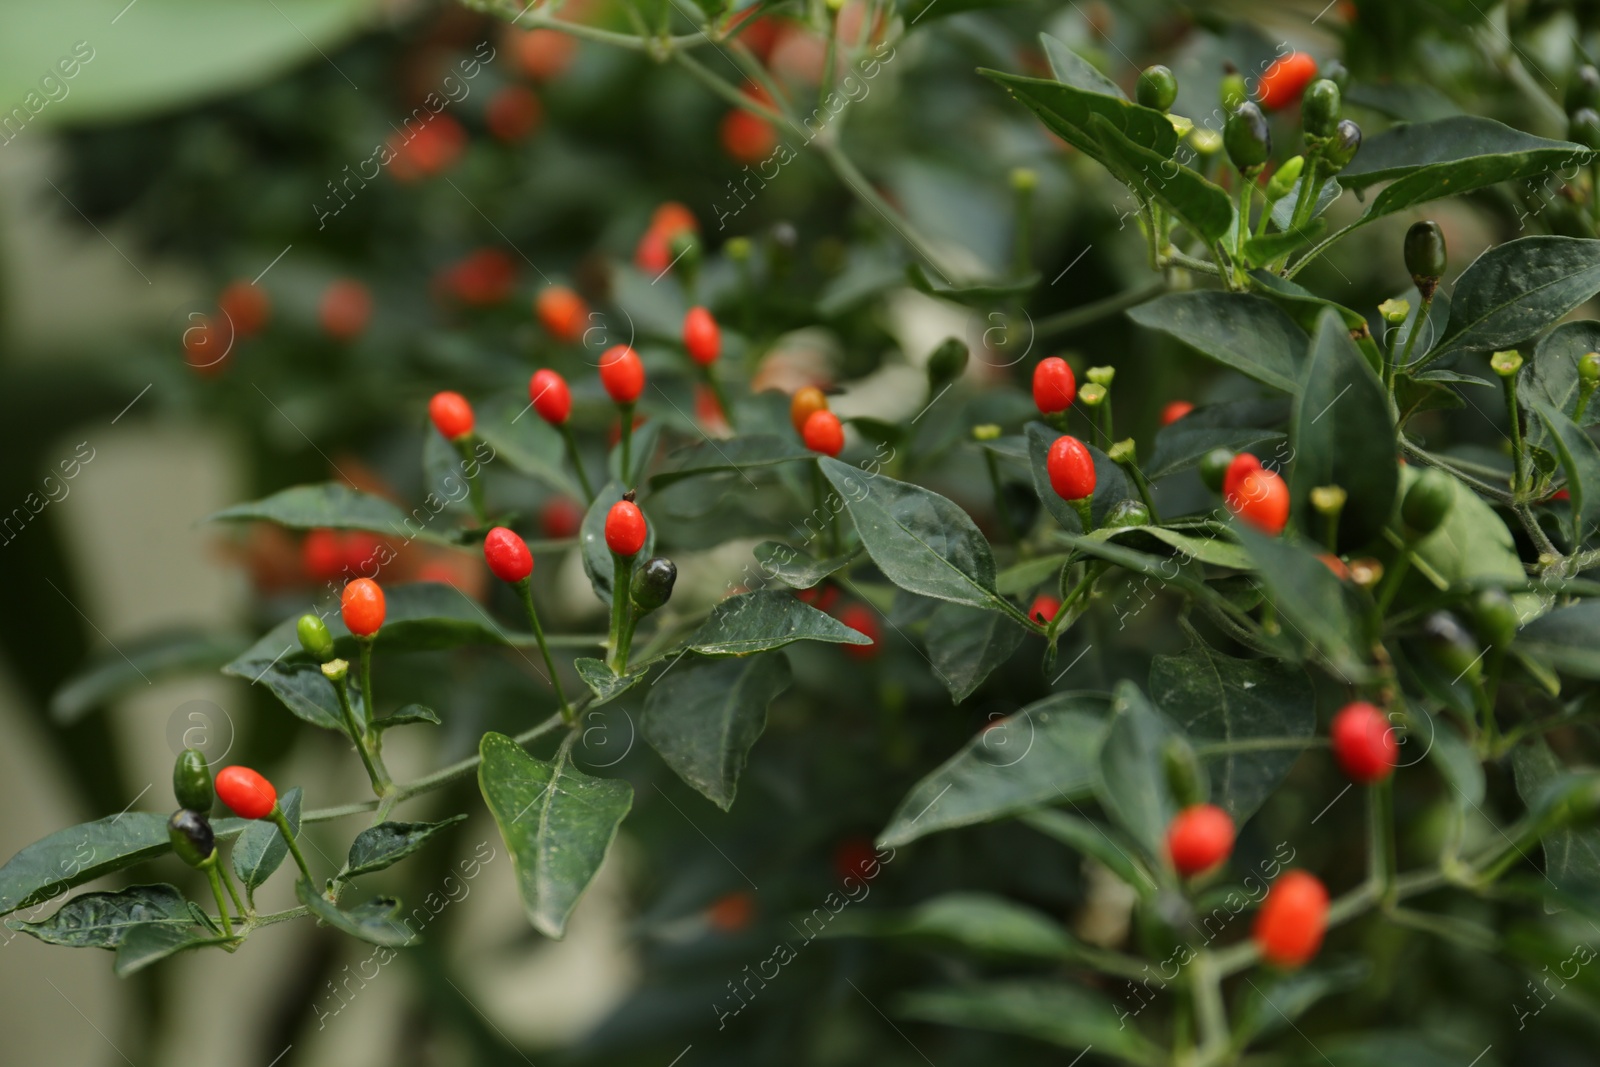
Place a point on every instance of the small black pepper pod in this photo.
(1426, 256)
(1247, 137)
(191, 837)
(191, 781)
(1343, 147)
(652, 583)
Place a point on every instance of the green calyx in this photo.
(1589, 367)
(1427, 502)
(1320, 108)
(1247, 137)
(315, 638)
(1157, 88)
(191, 781)
(652, 583)
(191, 837)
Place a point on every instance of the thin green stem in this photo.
(621, 611)
(577, 463)
(227, 880)
(1142, 484)
(1088, 314)
(216, 890)
(728, 92)
(358, 737)
(714, 383)
(626, 473)
(367, 704)
(830, 57)
(282, 822)
(1411, 339)
(1392, 580)
(525, 591)
(1210, 1013)
(1381, 847)
(474, 484)
(1518, 460)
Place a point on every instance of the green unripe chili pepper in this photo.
(1214, 466)
(315, 638)
(1451, 647)
(1589, 367)
(1283, 179)
(1584, 89)
(1157, 87)
(191, 781)
(947, 363)
(1494, 618)
(652, 583)
(1584, 127)
(1128, 513)
(1426, 256)
(1427, 502)
(191, 837)
(1343, 147)
(1320, 108)
(1247, 137)
(1185, 777)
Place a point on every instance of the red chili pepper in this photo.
(1044, 608)
(1199, 838)
(1262, 500)
(625, 528)
(747, 138)
(1054, 386)
(861, 619)
(1071, 469)
(247, 794)
(345, 310)
(823, 433)
(451, 415)
(1285, 80)
(1364, 743)
(1174, 411)
(513, 113)
(507, 555)
(362, 607)
(701, 336)
(550, 395)
(1292, 920)
(562, 312)
(246, 306)
(622, 374)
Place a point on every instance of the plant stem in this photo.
(577, 463)
(1411, 339)
(474, 486)
(1381, 855)
(1517, 459)
(621, 611)
(1391, 581)
(227, 880)
(358, 737)
(216, 890)
(1140, 483)
(525, 591)
(1210, 1013)
(365, 645)
(1087, 314)
(626, 473)
(714, 383)
(282, 822)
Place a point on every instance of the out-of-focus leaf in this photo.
(979, 923)
(158, 656)
(1239, 330)
(794, 568)
(965, 644)
(1132, 785)
(147, 943)
(336, 506)
(377, 922)
(1072, 69)
(388, 843)
(101, 920)
(768, 619)
(731, 455)
(1061, 1013)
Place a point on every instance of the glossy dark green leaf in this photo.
(261, 848)
(1343, 435)
(1027, 575)
(1259, 251)
(978, 923)
(376, 922)
(922, 542)
(606, 684)
(1448, 157)
(1567, 638)
(1283, 210)
(388, 843)
(1046, 753)
(1580, 458)
(138, 662)
(1249, 720)
(1472, 547)
(300, 686)
(1513, 291)
(597, 561)
(704, 715)
(972, 295)
(767, 619)
(1305, 308)
(1212, 546)
(406, 716)
(557, 822)
(80, 854)
(1235, 425)
(336, 506)
(1069, 112)
(1571, 856)
(524, 442)
(149, 943)
(1201, 206)
(1274, 1003)
(101, 920)
(1310, 601)
(1248, 333)
(794, 568)
(965, 644)
(1061, 1013)
(730, 455)
(1111, 484)
(1551, 375)
(1094, 839)
(1132, 785)
(1072, 69)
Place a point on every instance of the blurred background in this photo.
(208, 294)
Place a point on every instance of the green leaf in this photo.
(980, 923)
(1214, 548)
(978, 295)
(80, 854)
(1286, 997)
(1235, 425)
(965, 644)
(1072, 69)
(1386, 1049)
(1060, 1013)
(261, 848)
(1095, 840)
(411, 713)
(1283, 209)
(156, 656)
(1046, 753)
(1310, 601)
(376, 922)
(597, 561)
(1552, 374)
(794, 568)
(1343, 435)
(921, 542)
(1201, 206)
(336, 506)
(1305, 308)
(1132, 785)
(1027, 575)
(1448, 157)
(1110, 489)
(1472, 547)
(704, 717)
(731, 455)
(1069, 113)
(1239, 330)
(388, 843)
(557, 823)
(1259, 251)
(606, 683)
(1567, 638)
(525, 442)
(1580, 458)
(148, 943)
(1515, 290)
(1249, 720)
(102, 920)
(768, 619)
